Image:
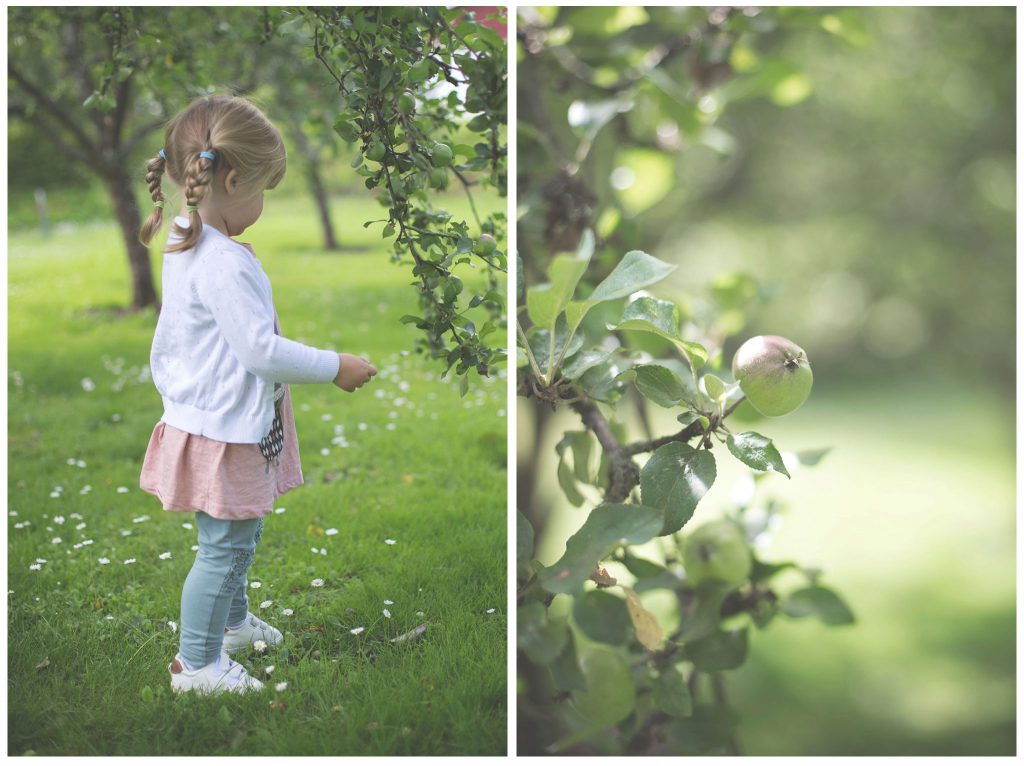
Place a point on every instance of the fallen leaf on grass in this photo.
(44, 664)
(372, 726)
(278, 705)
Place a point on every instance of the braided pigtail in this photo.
(154, 174)
(198, 179)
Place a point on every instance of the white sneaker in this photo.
(252, 630)
(221, 675)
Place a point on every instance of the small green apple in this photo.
(441, 156)
(438, 178)
(485, 245)
(406, 104)
(376, 151)
(774, 374)
(717, 551)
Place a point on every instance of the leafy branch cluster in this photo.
(423, 93)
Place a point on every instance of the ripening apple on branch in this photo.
(774, 374)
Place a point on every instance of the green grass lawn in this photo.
(403, 459)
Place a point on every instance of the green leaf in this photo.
(674, 480)
(565, 669)
(689, 417)
(756, 451)
(648, 314)
(722, 650)
(581, 447)
(574, 366)
(601, 382)
(714, 386)
(566, 475)
(708, 731)
(546, 302)
(524, 540)
(539, 636)
(700, 609)
(664, 581)
(659, 384)
(540, 343)
(641, 568)
(611, 692)
(602, 617)
(606, 527)
(635, 271)
(651, 315)
(823, 603)
(762, 570)
(671, 693)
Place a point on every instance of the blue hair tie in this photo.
(163, 156)
(208, 155)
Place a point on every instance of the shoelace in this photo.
(235, 673)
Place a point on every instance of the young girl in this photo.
(225, 447)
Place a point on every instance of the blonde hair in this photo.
(240, 137)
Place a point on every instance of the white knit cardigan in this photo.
(215, 355)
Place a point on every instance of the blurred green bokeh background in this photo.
(862, 169)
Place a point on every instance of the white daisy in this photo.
(58, 519)
(35, 566)
(173, 626)
(56, 541)
(129, 561)
(268, 669)
(259, 646)
(165, 555)
(287, 612)
(317, 583)
(281, 686)
(122, 490)
(265, 604)
(279, 510)
(186, 525)
(389, 541)
(331, 531)
(419, 614)
(195, 547)
(386, 613)
(256, 584)
(104, 560)
(490, 611)
(356, 631)
(388, 602)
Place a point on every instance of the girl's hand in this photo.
(353, 372)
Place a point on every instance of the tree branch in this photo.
(68, 122)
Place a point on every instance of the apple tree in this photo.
(422, 100)
(626, 637)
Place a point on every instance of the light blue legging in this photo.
(214, 594)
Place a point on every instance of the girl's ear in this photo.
(231, 181)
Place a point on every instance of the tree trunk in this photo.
(119, 186)
(316, 188)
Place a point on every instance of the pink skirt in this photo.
(228, 481)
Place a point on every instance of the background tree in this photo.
(99, 83)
